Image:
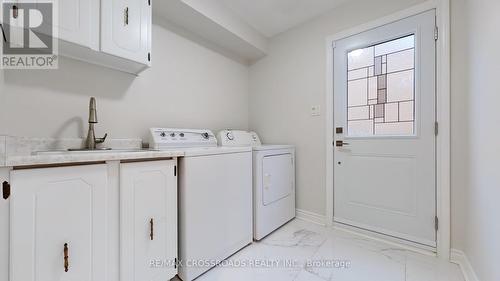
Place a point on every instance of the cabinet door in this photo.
(126, 29)
(58, 212)
(4, 226)
(148, 221)
(77, 21)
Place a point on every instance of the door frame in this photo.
(443, 95)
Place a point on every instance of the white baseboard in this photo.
(461, 259)
(310, 217)
(396, 242)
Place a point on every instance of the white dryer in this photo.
(273, 180)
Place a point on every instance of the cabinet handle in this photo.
(151, 235)
(15, 12)
(66, 257)
(125, 16)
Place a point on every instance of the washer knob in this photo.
(163, 134)
(172, 134)
(205, 136)
(181, 135)
(230, 136)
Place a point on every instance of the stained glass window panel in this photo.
(378, 65)
(379, 111)
(357, 74)
(391, 112)
(400, 61)
(372, 88)
(381, 89)
(361, 128)
(406, 111)
(360, 58)
(393, 46)
(391, 129)
(359, 113)
(400, 86)
(370, 71)
(358, 92)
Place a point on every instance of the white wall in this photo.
(188, 86)
(285, 84)
(481, 200)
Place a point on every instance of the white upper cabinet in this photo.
(76, 22)
(148, 221)
(58, 224)
(126, 29)
(111, 33)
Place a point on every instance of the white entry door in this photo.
(385, 130)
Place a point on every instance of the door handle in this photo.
(66, 257)
(340, 143)
(151, 233)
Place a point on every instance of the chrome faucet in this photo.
(91, 141)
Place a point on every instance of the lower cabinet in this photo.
(62, 222)
(148, 221)
(58, 224)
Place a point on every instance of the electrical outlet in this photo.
(315, 110)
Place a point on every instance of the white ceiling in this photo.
(271, 17)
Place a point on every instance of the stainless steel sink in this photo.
(88, 150)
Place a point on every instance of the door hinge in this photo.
(149, 56)
(175, 263)
(436, 223)
(175, 171)
(149, 2)
(436, 33)
(6, 190)
(436, 128)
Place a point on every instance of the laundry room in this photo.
(249, 140)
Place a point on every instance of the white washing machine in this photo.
(215, 198)
(273, 180)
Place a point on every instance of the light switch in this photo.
(315, 110)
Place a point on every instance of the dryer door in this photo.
(277, 177)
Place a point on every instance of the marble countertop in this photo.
(82, 157)
(20, 151)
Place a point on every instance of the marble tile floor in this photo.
(303, 251)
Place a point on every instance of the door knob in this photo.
(340, 143)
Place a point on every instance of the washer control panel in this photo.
(167, 138)
(238, 138)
